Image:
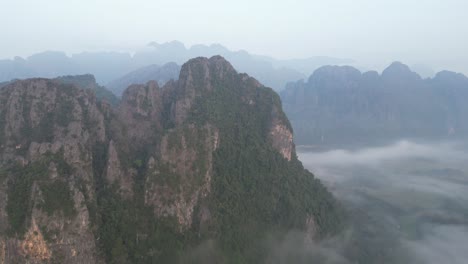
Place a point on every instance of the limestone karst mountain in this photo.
(208, 159)
(340, 105)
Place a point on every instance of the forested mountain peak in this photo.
(208, 158)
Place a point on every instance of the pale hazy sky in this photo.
(432, 32)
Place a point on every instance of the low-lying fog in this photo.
(407, 201)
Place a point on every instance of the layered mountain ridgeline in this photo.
(108, 67)
(201, 169)
(161, 74)
(105, 66)
(87, 81)
(3, 84)
(340, 105)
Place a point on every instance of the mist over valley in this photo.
(407, 200)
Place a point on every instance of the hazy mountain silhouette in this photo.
(161, 74)
(109, 66)
(340, 104)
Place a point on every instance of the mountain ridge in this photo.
(337, 106)
(162, 74)
(169, 169)
(110, 66)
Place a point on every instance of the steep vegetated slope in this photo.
(339, 105)
(207, 161)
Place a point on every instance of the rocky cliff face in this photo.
(190, 163)
(172, 166)
(46, 165)
(281, 135)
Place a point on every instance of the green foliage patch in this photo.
(57, 197)
(20, 181)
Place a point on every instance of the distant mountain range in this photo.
(339, 104)
(108, 67)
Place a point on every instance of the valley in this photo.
(406, 200)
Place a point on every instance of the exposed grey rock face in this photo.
(339, 105)
(116, 174)
(184, 161)
(281, 136)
